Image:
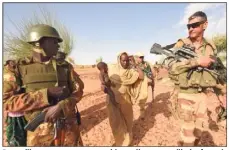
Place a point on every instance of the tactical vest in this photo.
(198, 80)
(36, 76)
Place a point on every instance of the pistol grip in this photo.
(189, 74)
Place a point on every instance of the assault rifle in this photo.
(39, 118)
(186, 52)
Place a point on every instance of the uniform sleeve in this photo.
(209, 50)
(15, 102)
(183, 66)
(148, 67)
(168, 62)
(76, 86)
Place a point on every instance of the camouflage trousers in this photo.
(172, 102)
(192, 111)
(44, 135)
(16, 135)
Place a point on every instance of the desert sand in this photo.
(159, 127)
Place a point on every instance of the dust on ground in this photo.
(159, 127)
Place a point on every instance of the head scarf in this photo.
(120, 75)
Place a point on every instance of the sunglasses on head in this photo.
(195, 25)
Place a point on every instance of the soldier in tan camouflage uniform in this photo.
(189, 97)
(49, 86)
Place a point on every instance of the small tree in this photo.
(221, 42)
(14, 42)
(100, 59)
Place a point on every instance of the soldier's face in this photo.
(196, 27)
(124, 60)
(50, 46)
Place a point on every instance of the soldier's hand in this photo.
(204, 61)
(55, 92)
(52, 113)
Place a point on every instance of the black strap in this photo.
(77, 109)
(78, 116)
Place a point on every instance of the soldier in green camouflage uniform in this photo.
(49, 86)
(13, 121)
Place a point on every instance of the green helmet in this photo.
(41, 30)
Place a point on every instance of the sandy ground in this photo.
(158, 129)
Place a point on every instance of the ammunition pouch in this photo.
(203, 79)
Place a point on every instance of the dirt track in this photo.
(158, 129)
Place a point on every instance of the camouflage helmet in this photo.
(39, 31)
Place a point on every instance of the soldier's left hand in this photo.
(52, 113)
(204, 61)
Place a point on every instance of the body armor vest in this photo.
(37, 76)
(198, 79)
